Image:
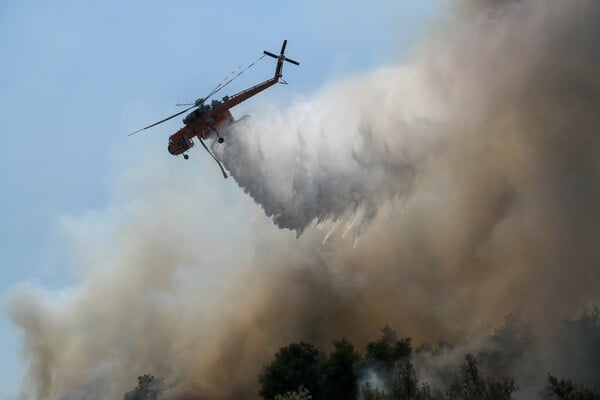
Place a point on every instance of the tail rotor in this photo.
(280, 59)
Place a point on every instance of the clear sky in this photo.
(76, 77)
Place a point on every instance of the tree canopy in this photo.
(294, 366)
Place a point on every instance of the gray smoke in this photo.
(471, 173)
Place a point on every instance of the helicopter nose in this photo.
(172, 148)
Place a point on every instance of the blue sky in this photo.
(76, 77)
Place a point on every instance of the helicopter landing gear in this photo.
(220, 139)
(185, 156)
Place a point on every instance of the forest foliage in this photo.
(508, 363)
(496, 369)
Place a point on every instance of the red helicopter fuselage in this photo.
(206, 120)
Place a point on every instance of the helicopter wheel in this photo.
(220, 140)
(185, 156)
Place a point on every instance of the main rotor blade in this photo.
(292, 61)
(283, 47)
(270, 54)
(162, 120)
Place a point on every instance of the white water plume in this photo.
(340, 155)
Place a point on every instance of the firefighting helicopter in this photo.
(206, 120)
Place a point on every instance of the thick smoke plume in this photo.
(471, 173)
